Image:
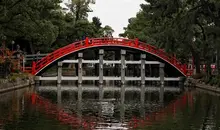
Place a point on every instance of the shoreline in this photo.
(17, 81)
(190, 82)
(208, 87)
(12, 88)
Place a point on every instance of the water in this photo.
(45, 110)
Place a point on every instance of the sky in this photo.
(115, 13)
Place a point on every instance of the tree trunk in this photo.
(208, 69)
(217, 62)
(32, 47)
(197, 61)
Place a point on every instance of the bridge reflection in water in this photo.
(102, 109)
(191, 110)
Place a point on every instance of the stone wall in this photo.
(15, 82)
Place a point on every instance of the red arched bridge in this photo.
(53, 57)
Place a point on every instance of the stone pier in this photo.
(101, 53)
(123, 66)
(59, 72)
(80, 69)
(143, 57)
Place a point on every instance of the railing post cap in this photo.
(143, 56)
(60, 64)
(162, 65)
(123, 52)
(80, 55)
(101, 51)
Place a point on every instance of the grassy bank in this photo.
(15, 79)
(213, 80)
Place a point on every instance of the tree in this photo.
(80, 8)
(30, 20)
(40, 25)
(96, 21)
(180, 27)
(108, 31)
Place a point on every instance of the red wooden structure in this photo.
(37, 67)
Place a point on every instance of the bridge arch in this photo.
(39, 66)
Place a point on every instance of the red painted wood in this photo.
(87, 41)
(136, 42)
(97, 42)
(33, 68)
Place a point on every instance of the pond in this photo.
(26, 109)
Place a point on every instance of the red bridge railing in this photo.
(96, 42)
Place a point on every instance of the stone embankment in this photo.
(16, 81)
(190, 82)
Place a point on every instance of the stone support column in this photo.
(161, 73)
(143, 57)
(80, 70)
(101, 53)
(123, 66)
(59, 72)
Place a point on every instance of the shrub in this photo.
(198, 76)
(207, 80)
(13, 78)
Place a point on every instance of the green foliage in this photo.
(186, 28)
(198, 76)
(40, 25)
(29, 20)
(212, 80)
(215, 81)
(108, 31)
(18, 76)
(80, 8)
